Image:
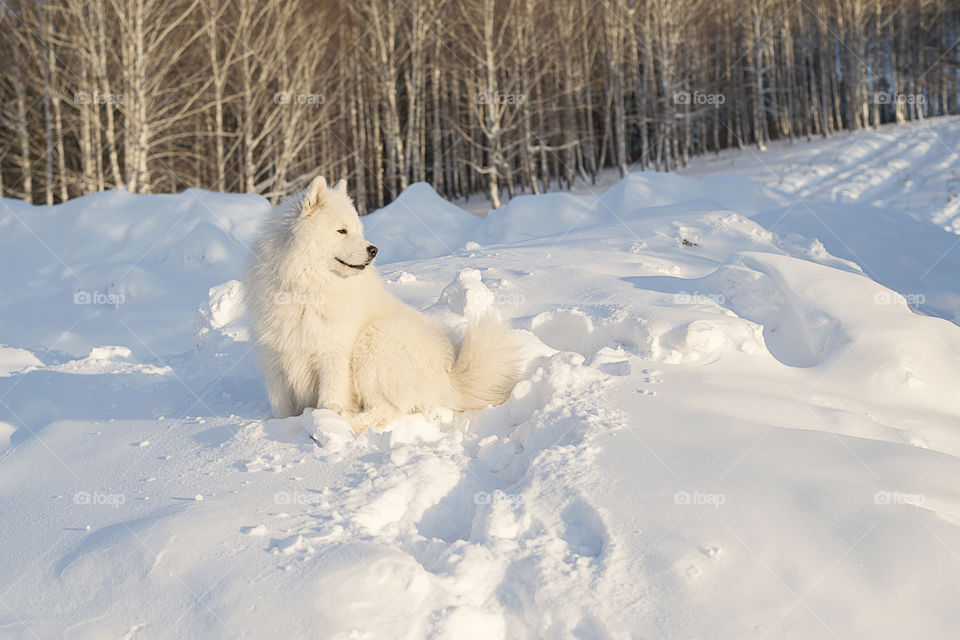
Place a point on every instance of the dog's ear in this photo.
(341, 186)
(315, 192)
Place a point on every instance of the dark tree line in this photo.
(473, 96)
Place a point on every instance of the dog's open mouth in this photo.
(358, 267)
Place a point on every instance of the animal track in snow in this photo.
(574, 330)
(653, 376)
(584, 532)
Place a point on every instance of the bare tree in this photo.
(473, 95)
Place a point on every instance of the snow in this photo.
(908, 168)
(739, 416)
(14, 360)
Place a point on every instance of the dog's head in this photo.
(329, 229)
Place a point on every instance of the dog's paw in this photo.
(352, 418)
(376, 420)
(357, 427)
(333, 406)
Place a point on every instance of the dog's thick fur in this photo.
(328, 334)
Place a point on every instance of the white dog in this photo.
(328, 334)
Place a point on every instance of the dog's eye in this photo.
(343, 231)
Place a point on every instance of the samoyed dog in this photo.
(329, 335)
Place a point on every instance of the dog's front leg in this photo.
(336, 392)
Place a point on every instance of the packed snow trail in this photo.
(913, 168)
(738, 418)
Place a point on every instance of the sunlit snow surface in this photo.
(740, 416)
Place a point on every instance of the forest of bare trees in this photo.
(472, 96)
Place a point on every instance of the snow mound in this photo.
(926, 265)
(735, 193)
(119, 264)
(221, 320)
(418, 223)
(13, 360)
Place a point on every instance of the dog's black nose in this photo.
(371, 251)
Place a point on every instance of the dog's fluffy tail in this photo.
(488, 366)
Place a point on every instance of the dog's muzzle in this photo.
(371, 254)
